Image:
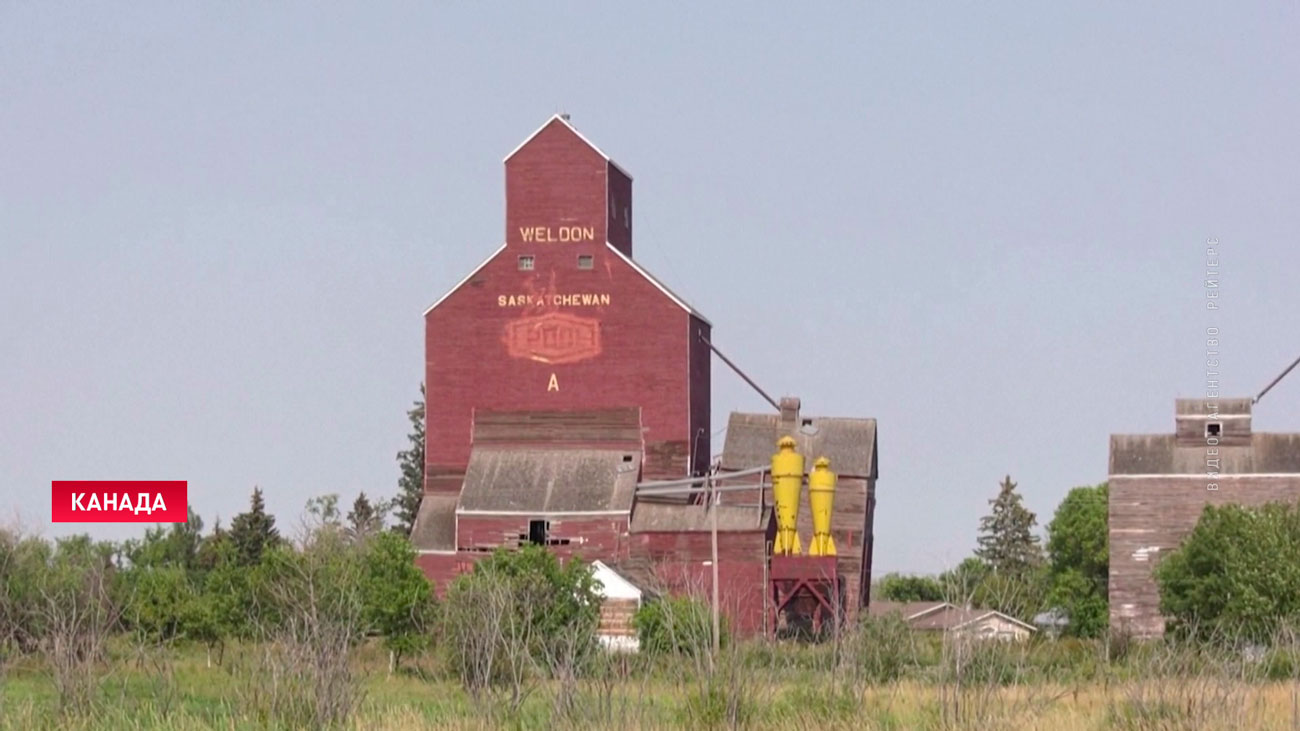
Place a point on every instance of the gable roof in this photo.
(614, 585)
(939, 615)
(908, 610)
(849, 443)
(660, 285)
(466, 278)
(508, 480)
(560, 118)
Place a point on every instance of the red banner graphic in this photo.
(119, 501)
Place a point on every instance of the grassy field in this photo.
(177, 689)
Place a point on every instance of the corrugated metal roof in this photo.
(549, 481)
(678, 518)
(849, 443)
(435, 524)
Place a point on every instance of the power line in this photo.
(1275, 380)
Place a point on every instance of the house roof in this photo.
(613, 584)
(939, 615)
(908, 610)
(849, 443)
(541, 482)
(641, 572)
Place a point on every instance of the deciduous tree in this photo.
(1078, 550)
(897, 587)
(1237, 573)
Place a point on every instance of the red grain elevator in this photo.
(560, 317)
(560, 374)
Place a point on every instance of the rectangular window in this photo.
(537, 532)
(586, 261)
(525, 263)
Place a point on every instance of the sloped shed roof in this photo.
(549, 481)
(849, 443)
(435, 524)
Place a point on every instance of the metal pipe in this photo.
(701, 479)
(695, 490)
(739, 372)
(1275, 380)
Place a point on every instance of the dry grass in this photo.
(776, 697)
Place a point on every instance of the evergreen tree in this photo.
(253, 532)
(364, 520)
(1007, 542)
(410, 486)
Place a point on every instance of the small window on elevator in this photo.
(1213, 429)
(586, 261)
(525, 263)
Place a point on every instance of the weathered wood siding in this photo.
(1150, 515)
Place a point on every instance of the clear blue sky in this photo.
(982, 225)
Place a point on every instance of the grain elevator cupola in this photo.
(560, 188)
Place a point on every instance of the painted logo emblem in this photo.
(554, 337)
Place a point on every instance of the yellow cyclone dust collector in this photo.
(787, 479)
(821, 498)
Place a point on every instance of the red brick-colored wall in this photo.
(559, 337)
(557, 180)
(589, 538)
(681, 564)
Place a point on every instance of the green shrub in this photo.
(1281, 665)
(676, 625)
(518, 610)
(884, 647)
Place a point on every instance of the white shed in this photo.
(621, 599)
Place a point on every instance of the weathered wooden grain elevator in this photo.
(1160, 483)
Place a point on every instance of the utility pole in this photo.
(713, 530)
